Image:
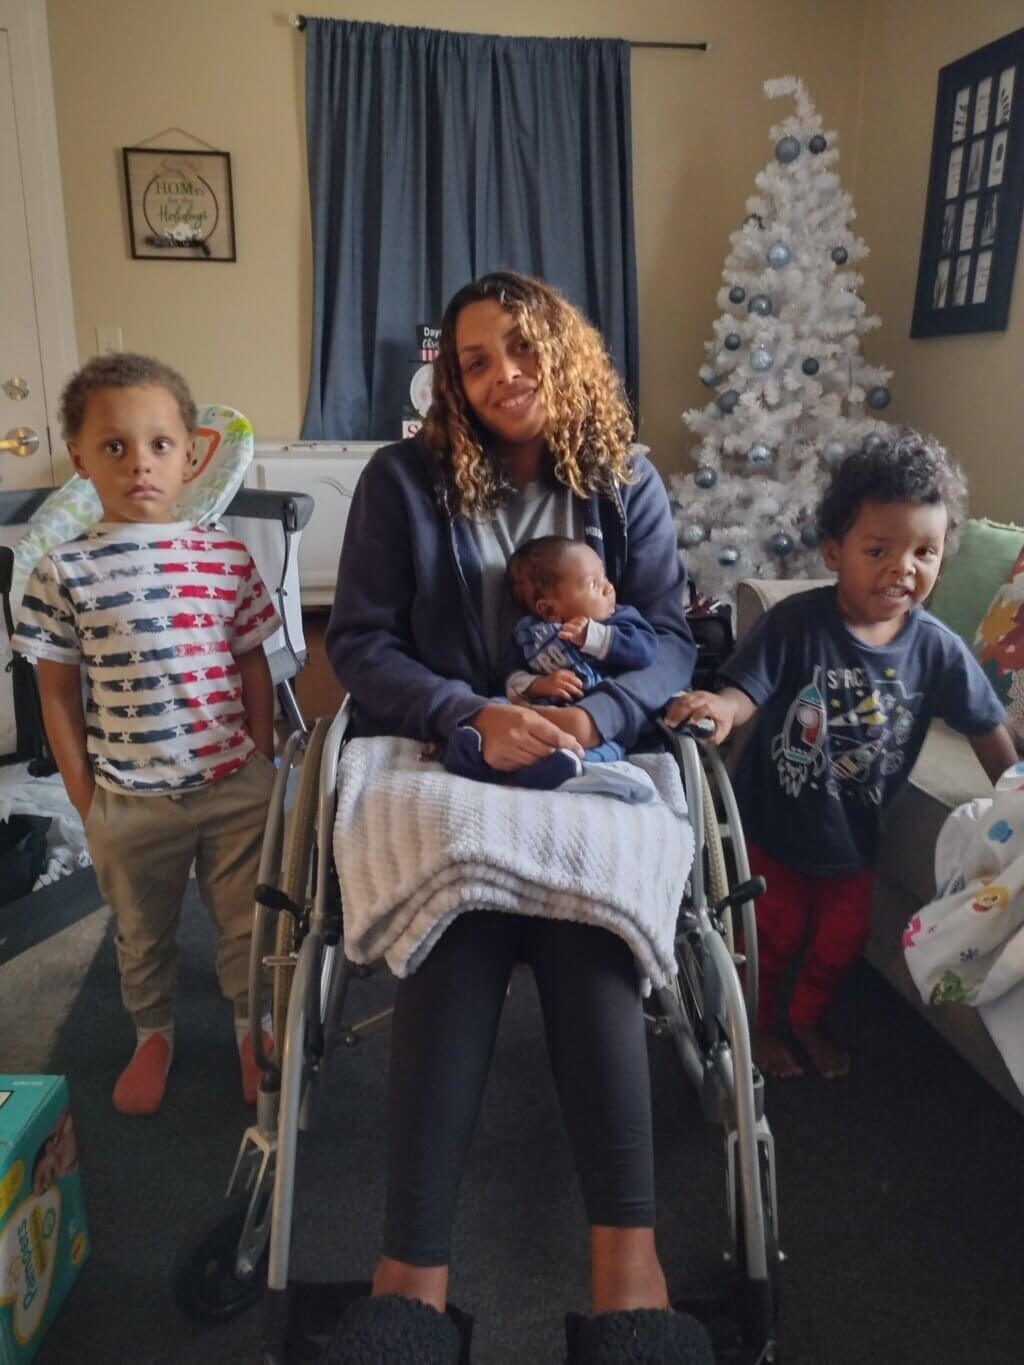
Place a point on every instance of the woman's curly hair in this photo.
(907, 467)
(589, 426)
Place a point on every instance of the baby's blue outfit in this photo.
(629, 642)
(536, 648)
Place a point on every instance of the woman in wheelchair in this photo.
(528, 435)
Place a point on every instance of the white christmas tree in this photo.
(794, 394)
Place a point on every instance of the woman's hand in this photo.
(689, 706)
(576, 720)
(516, 736)
(563, 684)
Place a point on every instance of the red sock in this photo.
(141, 1085)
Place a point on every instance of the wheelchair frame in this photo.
(705, 1010)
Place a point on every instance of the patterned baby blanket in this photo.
(968, 944)
(417, 846)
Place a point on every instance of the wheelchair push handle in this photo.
(746, 891)
(704, 728)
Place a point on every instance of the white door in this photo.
(24, 437)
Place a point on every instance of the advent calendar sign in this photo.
(421, 383)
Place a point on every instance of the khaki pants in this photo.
(142, 848)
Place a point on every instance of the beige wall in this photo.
(230, 72)
(968, 390)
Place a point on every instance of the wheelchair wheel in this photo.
(205, 1282)
(714, 850)
(690, 955)
(296, 872)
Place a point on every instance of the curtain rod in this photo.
(299, 21)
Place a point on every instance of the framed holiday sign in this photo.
(975, 194)
(180, 204)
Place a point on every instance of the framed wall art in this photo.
(975, 194)
(180, 204)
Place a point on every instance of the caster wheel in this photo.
(206, 1285)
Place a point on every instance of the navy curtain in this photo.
(435, 157)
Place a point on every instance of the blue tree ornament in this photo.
(840, 255)
(809, 536)
(781, 544)
(834, 452)
(733, 342)
(728, 555)
(810, 366)
(711, 380)
(778, 255)
(761, 359)
(705, 477)
(759, 453)
(879, 397)
(693, 534)
(817, 143)
(787, 149)
(760, 304)
(727, 401)
(737, 294)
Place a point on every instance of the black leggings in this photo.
(445, 1026)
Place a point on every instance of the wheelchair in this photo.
(707, 1012)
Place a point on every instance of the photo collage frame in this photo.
(973, 214)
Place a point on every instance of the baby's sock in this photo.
(624, 781)
(141, 1085)
(250, 1071)
(546, 773)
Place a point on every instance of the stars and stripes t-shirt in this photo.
(156, 614)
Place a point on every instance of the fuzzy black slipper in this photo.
(644, 1336)
(393, 1330)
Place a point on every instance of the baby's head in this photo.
(885, 520)
(128, 421)
(558, 579)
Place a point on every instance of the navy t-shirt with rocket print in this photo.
(156, 613)
(840, 725)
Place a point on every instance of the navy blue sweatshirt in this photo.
(406, 638)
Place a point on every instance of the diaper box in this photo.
(43, 1237)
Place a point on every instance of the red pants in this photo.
(838, 911)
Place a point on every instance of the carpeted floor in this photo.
(900, 1188)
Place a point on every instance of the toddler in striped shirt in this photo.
(168, 755)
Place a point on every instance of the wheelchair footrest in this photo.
(742, 1332)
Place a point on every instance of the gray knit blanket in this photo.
(416, 846)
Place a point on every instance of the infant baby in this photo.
(571, 638)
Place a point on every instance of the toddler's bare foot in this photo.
(773, 1057)
(828, 1059)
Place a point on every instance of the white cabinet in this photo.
(327, 471)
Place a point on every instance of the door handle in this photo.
(20, 441)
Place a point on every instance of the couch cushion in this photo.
(755, 596)
(946, 774)
(1000, 647)
(970, 578)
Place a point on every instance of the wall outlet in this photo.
(108, 338)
